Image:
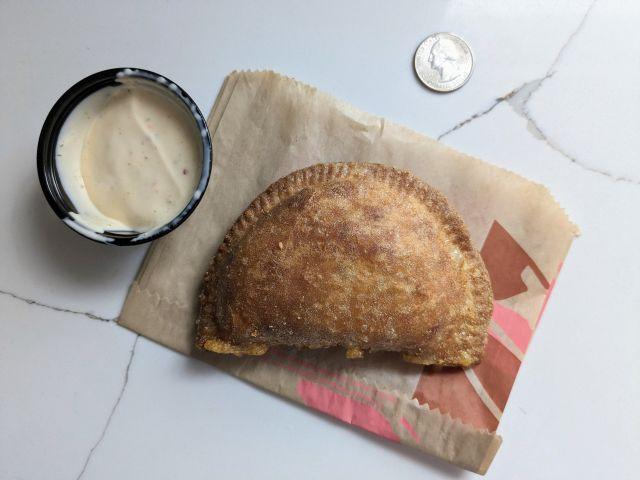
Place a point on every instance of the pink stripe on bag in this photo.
(409, 428)
(546, 299)
(515, 326)
(344, 408)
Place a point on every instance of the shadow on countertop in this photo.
(57, 261)
(195, 368)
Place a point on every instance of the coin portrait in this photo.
(443, 62)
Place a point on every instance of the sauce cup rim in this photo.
(46, 164)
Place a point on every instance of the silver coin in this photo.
(443, 62)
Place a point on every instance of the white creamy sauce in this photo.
(129, 158)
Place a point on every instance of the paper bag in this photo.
(265, 126)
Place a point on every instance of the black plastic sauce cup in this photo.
(46, 158)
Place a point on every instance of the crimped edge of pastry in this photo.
(320, 173)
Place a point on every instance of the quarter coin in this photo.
(443, 62)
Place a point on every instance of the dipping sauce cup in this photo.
(124, 156)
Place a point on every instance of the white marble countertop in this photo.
(554, 96)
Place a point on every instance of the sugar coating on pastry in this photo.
(356, 255)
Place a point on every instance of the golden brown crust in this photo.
(358, 255)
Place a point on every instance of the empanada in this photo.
(355, 255)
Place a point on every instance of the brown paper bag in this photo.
(264, 126)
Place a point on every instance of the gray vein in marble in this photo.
(113, 409)
(473, 117)
(571, 37)
(528, 88)
(31, 301)
(518, 100)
